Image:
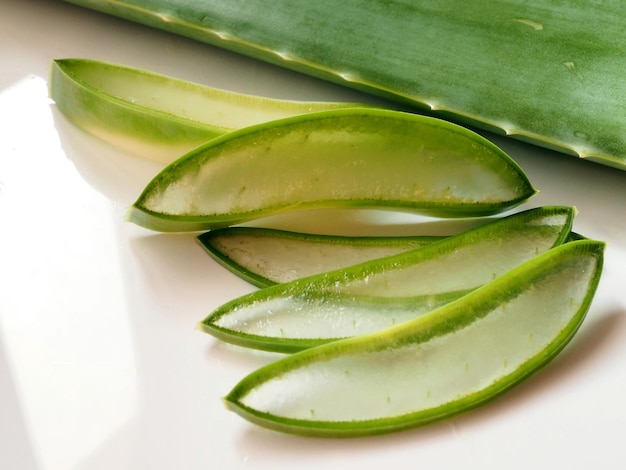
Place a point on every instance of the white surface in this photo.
(100, 364)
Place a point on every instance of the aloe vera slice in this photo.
(156, 116)
(435, 366)
(354, 157)
(380, 293)
(265, 256)
(550, 73)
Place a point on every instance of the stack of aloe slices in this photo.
(380, 293)
(410, 338)
(386, 333)
(550, 73)
(434, 366)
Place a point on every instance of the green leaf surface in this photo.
(550, 73)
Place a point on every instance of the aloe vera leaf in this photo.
(550, 73)
(435, 366)
(380, 293)
(156, 116)
(354, 157)
(265, 256)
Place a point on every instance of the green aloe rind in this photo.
(456, 358)
(354, 157)
(548, 73)
(379, 293)
(156, 116)
(265, 256)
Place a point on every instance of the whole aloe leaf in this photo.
(550, 73)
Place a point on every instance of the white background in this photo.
(101, 366)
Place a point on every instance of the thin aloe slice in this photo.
(354, 157)
(551, 73)
(265, 256)
(383, 292)
(156, 116)
(435, 366)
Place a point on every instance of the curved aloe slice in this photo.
(156, 116)
(348, 157)
(265, 257)
(377, 294)
(435, 366)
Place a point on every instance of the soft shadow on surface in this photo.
(258, 443)
(592, 341)
(365, 222)
(181, 257)
(235, 357)
(178, 276)
(116, 175)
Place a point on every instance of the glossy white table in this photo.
(100, 364)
